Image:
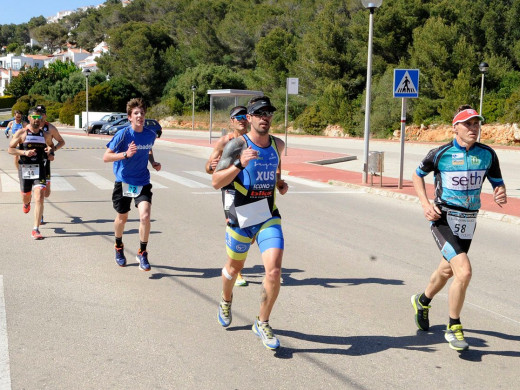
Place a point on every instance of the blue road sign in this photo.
(406, 83)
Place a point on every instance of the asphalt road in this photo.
(75, 320)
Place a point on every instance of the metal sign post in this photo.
(291, 88)
(406, 85)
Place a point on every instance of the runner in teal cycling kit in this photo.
(460, 168)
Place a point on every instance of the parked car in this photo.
(5, 122)
(151, 124)
(93, 127)
(119, 122)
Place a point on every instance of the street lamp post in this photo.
(483, 67)
(86, 72)
(371, 5)
(193, 88)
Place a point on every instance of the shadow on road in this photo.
(366, 345)
(255, 274)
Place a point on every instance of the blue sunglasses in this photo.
(240, 117)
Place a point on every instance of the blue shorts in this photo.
(268, 235)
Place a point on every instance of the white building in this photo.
(6, 75)
(12, 61)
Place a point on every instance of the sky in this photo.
(18, 12)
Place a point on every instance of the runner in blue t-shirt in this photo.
(460, 168)
(130, 150)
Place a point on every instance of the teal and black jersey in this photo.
(460, 173)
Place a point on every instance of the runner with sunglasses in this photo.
(239, 125)
(33, 147)
(251, 164)
(460, 168)
(55, 135)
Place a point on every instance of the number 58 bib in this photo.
(462, 224)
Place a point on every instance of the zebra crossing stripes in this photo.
(180, 180)
(59, 183)
(9, 182)
(97, 180)
(65, 181)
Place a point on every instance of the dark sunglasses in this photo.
(240, 117)
(260, 114)
(36, 116)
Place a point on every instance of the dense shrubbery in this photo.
(163, 47)
(7, 101)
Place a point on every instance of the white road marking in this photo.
(180, 180)
(5, 372)
(310, 183)
(200, 174)
(156, 185)
(97, 180)
(9, 183)
(58, 183)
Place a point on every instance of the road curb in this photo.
(412, 198)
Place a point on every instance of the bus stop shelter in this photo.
(233, 93)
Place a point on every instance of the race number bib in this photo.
(229, 197)
(253, 213)
(131, 191)
(30, 171)
(462, 224)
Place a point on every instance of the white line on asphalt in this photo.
(200, 174)
(5, 373)
(156, 185)
(180, 180)
(310, 183)
(58, 183)
(9, 183)
(294, 192)
(97, 180)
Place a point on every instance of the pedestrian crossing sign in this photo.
(406, 83)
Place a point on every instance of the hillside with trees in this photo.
(159, 48)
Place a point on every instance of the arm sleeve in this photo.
(494, 173)
(427, 165)
(231, 151)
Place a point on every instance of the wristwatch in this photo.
(124, 155)
(238, 164)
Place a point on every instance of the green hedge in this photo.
(7, 101)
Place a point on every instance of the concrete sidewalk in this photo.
(301, 163)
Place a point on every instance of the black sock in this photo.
(142, 247)
(119, 242)
(454, 321)
(425, 301)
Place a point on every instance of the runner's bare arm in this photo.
(280, 183)
(214, 157)
(431, 211)
(225, 171)
(57, 136)
(156, 165)
(15, 141)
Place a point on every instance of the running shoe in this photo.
(265, 332)
(35, 234)
(42, 222)
(421, 313)
(455, 336)
(26, 207)
(224, 313)
(142, 258)
(240, 281)
(120, 256)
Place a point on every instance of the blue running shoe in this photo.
(224, 313)
(120, 256)
(142, 258)
(265, 332)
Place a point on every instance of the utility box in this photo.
(376, 166)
